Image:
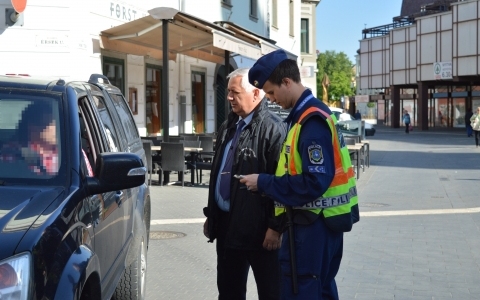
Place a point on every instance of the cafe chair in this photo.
(173, 159)
(205, 157)
(153, 167)
(176, 139)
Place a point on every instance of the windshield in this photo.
(30, 139)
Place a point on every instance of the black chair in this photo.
(175, 139)
(189, 136)
(173, 159)
(156, 140)
(205, 157)
(153, 167)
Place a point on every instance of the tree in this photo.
(338, 68)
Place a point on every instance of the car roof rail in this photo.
(98, 78)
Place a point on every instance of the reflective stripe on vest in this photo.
(339, 204)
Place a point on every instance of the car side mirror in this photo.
(116, 171)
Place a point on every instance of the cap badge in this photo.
(255, 83)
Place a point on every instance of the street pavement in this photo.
(418, 235)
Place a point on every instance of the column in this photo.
(422, 106)
(395, 98)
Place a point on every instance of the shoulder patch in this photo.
(315, 154)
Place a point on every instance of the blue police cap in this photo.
(264, 67)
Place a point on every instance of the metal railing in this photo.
(385, 29)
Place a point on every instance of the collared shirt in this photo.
(224, 204)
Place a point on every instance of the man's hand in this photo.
(205, 229)
(250, 181)
(273, 240)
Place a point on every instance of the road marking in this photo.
(362, 214)
(420, 212)
(177, 221)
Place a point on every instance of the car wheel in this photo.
(132, 285)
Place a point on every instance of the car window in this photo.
(30, 135)
(110, 132)
(91, 132)
(126, 118)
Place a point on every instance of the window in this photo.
(275, 13)
(253, 8)
(126, 118)
(114, 69)
(153, 99)
(30, 137)
(292, 23)
(107, 121)
(304, 42)
(227, 4)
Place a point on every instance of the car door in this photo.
(108, 210)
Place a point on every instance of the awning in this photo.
(266, 45)
(187, 35)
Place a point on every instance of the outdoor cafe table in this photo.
(355, 149)
(193, 151)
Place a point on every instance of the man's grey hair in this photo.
(243, 72)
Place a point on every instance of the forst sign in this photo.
(442, 70)
(122, 12)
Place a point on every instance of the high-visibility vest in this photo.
(339, 204)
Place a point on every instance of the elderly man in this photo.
(243, 222)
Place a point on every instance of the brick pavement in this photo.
(418, 237)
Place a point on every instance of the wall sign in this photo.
(442, 70)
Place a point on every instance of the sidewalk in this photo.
(418, 236)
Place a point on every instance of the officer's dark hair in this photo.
(287, 68)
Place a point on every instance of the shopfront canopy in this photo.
(187, 35)
(266, 45)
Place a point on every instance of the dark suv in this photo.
(74, 206)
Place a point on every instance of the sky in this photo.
(340, 22)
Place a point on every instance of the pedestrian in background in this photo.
(358, 115)
(314, 178)
(468, 124)
(406, 121)
(243, 223)
(475, 122)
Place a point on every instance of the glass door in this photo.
(153, 100)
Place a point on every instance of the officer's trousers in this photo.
(318, 252)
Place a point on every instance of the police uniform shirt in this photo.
(318, 168)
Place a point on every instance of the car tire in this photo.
(132, 285)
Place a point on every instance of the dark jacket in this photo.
(250, 213)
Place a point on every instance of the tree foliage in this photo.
(338, 68)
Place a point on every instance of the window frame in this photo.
(115, 61)
(253, 9)
(275, 13)
(305, 34)
(291, 30)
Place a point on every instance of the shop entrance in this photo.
(153, 99)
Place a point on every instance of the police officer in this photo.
(314, 165)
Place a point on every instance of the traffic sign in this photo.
(19, 5)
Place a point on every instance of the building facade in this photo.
(308, 42)
(426, 62)
(73, 39)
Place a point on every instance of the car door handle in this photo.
(118, 197)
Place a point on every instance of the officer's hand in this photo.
(273, 240)
(250, 181)
(205, 229)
